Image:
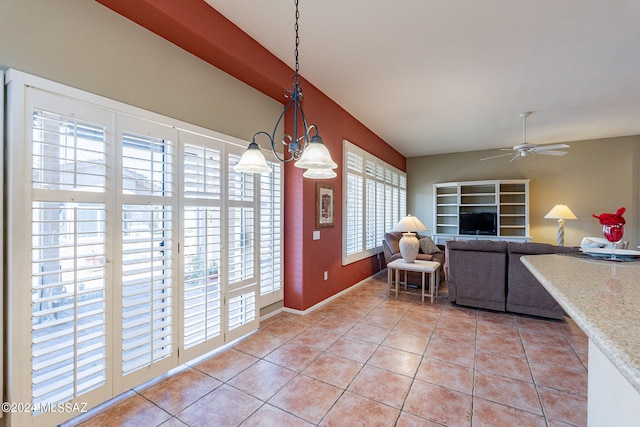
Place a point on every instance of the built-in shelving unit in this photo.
(508, 199)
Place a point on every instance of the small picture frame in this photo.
(325, 205)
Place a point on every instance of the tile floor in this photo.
(366, 359)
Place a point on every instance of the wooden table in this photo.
(395, 268)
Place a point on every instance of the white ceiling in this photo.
(442, 76)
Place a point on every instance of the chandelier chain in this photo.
(296, 78)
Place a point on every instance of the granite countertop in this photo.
(603, 298)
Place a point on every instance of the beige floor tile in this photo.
(133, 412)
(448, 351)
(407, 342)
(409, 420)
(513, 367)
(336, 323)
(354, 349)
(173, 422)
(335, 370)
(445, 374)
(180, 390)
(543, 355)
(285, 329)
(439, 404)
(564, 407)
(394, 360)
(293, 356)
(262, 379)
(491, 414)
(225, 406)
(560, 378)
(316, 337)
(353, 411)
(259, 344)
(226, 365)
(414, 327)
(381, 385)
(370, 333)
(269, 415)
(507, 391)
(490, 343)
(307, 398)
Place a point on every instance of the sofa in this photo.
(489, 274)
(428, 252)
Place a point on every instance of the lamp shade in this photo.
(560, 212)
(409, 224)
(252, 161)
(316, 156)
(319, 173)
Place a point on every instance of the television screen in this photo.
(478, 223)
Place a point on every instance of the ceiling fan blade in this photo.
(552, 153)
(515, 157)
(495, 157)
(540, 148)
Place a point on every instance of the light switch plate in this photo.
(316, 234)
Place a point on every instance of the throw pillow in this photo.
(427, 246)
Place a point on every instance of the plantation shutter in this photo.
(148, 263)
(271, 235)
(202, 231)
(242, 288)
(374, 200)
(69, 252)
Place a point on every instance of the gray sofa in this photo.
(489, 274)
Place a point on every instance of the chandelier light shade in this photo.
(560, 212)
(409, 243)
(319, 173)
(308, 152)
(252, 161)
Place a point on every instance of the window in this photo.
(375, 200)
(68, 274)
(271, 235)
(140, 246)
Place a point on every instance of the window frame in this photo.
(371, 173)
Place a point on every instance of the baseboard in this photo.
(321, 303)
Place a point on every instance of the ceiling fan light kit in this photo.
(525, 148)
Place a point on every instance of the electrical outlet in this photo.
(326, 275)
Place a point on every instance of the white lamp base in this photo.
(561, 232)
(409, 246)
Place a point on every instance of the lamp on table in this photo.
(560, 212)
(409, 244)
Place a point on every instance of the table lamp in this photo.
(409, 244)
(560, 212)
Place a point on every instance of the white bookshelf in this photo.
(508, 199)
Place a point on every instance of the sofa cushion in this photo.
(531, 248)
(393, 241)
(427, 246)
(478, 245)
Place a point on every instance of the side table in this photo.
(394, 269)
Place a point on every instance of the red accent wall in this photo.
(199, 29)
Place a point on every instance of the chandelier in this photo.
(309, 152)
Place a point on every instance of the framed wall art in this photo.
(325, 205)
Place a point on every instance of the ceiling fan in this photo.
(525, 148)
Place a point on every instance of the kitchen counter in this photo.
(603, 298)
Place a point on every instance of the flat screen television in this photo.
(478, 223)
